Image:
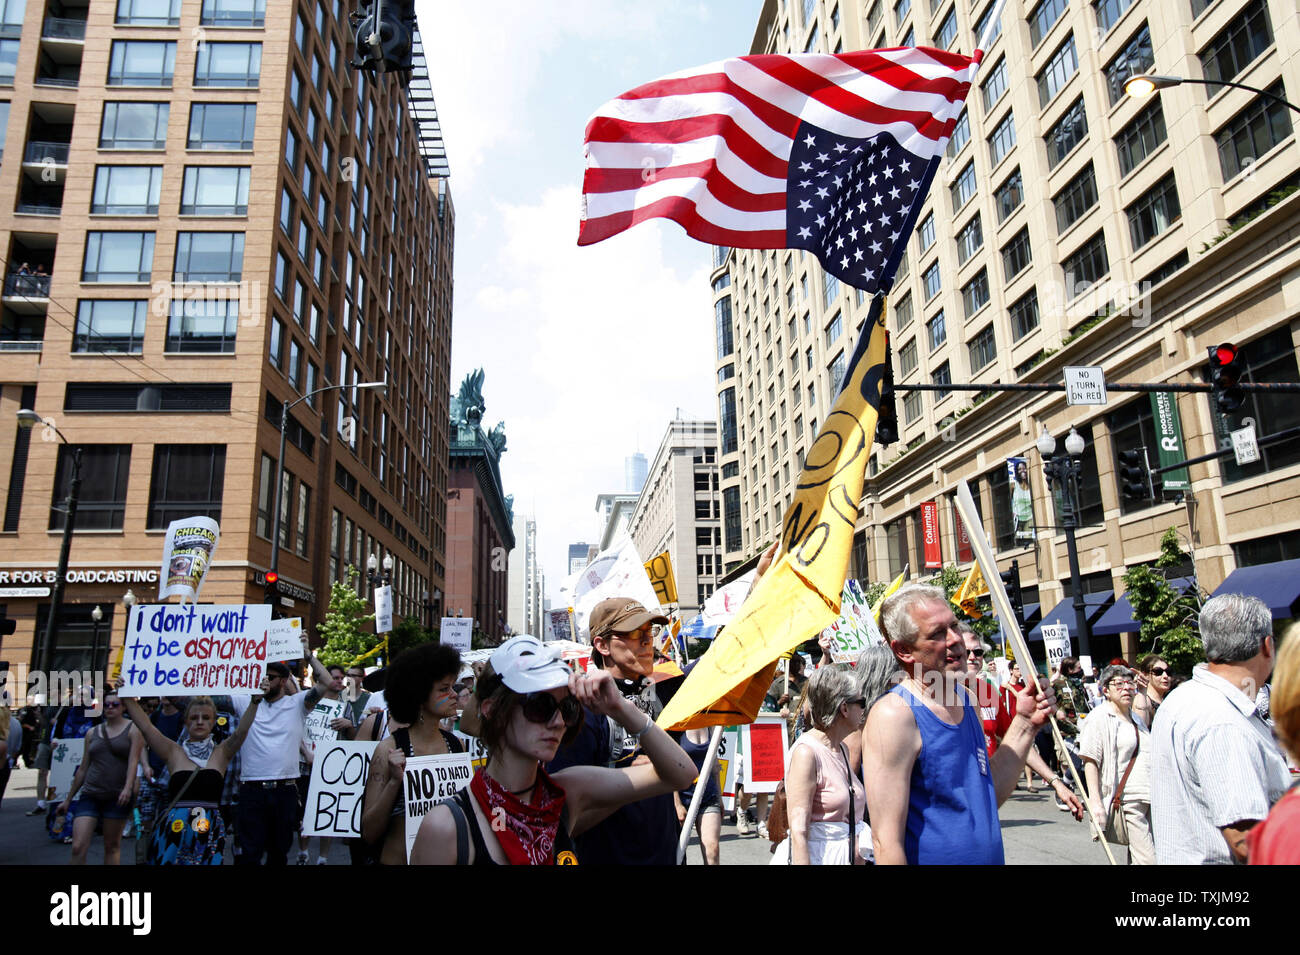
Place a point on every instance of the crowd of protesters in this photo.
(903, 757)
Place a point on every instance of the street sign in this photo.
(383, 609)
(1244, 445)
(1085, 385)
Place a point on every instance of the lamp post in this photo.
(128, 601)
(279, 466)
(30, 419)
(96, 617)
(1144, 84)
(1063, 470)
(432, 605)
(375, 575)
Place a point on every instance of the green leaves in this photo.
(345, 640)
(1167, 617)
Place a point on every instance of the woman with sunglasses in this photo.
(1158, 682)
(824, 798)
(106, 783)
(419, 695)
(1114, 747)
(192, 831)
(513, 812)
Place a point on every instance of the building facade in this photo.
(1070, 224)
(678, 511)
(525, 611)
(635, 469)
(211, 230)
(577, 557)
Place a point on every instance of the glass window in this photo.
(1136, 57)
(118, 257)
(266, 498)
(975, 293)
(209, 256)
(134, 126)
(937, 331)
(141, 63)
(925, 234)
(222, 125)
(1009, 196)
(110, 326)
(149, 13)
(8, 61)
(187, 482)
(912, 406)
(833, 331)
(963, 187)
(932, 281)
(1270, 358)
(901, 8)
(830, 289)
(1078, 196)
(983, 22)
(727, 418)
(1140, 138)
(215, 191)
(291, 148)
(1154, 212)
(982, 349)
(837, 371)
(1016, 255)
(960, 134)
(907, 360)
(1108, 11)
(275, 354)
(903, 312)
(1086, 267)
(996, 84)
(101, 503)
(228, 64)
(948, 29)
(1063, 65)
(1131, 427)
(969, 240)
(295, 364)
(1043, 17)
(1024, 314)
(1247, 35)
(942, 376)
(1253, 132)
(304, 505)
(1003, 138)
(11, 17)
(202, 324)
(233, 13)
(127, 190)
(282, 274)
(1067, 133)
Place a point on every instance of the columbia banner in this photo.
(799, 596)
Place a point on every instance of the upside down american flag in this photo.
(830, 153)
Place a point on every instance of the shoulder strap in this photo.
(1137, 744)
(375, 727)
(848, 774)
(454, 744)
(462, 830)
(402, 737)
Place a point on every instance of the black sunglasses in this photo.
(1159, 671)
(541, 707)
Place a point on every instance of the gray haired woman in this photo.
(824, 798)
(1113, 746)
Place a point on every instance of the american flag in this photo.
(832, 153)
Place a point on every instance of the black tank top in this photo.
(205, 789)
(563, 841)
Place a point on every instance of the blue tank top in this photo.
(952, 811)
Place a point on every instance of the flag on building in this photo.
(831, 153)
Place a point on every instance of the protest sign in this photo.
(616, 572)
(721, 606)
(384, 609)
(728, 750)
(559, 625)
(428, 781)
(284, 639)
(65, 757)
(1056, 638)
(192, 649)
(856, 628)
(765, 743)
(338, 780)
(457, 632)
(187, 553)
(317, 724)
(475, 748)
(660, 571)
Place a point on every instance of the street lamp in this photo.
(128, 601)
(279, 467)
(1144, 84)
(1064, 471)
(374, 575)
(432, 605)
(30, 419)
(96, 617)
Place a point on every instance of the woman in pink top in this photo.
(1276, 840)
(822, 793)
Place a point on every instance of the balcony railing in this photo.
(37, 209)
(48, 152)
(70, 83)
(61, 28)
(31, 286)
(27, 346)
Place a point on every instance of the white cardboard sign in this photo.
(65, 757)
(338, 780)
(428, 781)
(457, 632)
(191, 649)
(316, 725)
(1056, 638)
(284, 639)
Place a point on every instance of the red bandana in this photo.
(529, 831)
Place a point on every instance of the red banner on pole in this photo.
(930, 534)
(964, 553)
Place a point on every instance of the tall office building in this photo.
(221, 217)
(525, 585)
(1058, 198)
(635, 469)
(577, 557)
(678, 511)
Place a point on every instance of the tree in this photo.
(345, 640)
(950, 578)
(408, 633)
(1168, 617)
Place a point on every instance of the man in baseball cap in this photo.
(623, 635)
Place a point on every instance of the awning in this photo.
(1094, 606)
(1277, 584)
(1120, 619)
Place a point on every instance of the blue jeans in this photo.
(268, 817)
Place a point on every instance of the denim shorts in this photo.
(98, 807)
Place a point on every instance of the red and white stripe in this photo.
(710, 147)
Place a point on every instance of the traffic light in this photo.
(887, 413)
(1227, 366)
(384, 31)
(272, 592)
(1011, 581)
(1135, 475)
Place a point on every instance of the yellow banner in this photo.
(971, 589)
(799, 596)
(660, 571)
(889, 592)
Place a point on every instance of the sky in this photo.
(588, 352)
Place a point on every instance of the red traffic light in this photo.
(1225, 354)
(272, 577)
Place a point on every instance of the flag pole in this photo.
(710, 763)
(987, 36)
(1011, 626)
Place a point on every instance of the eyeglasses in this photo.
(541, 707)
(860, 701)
(1159, 671)
(108, 705)
(1119, 684)
(976, 653)
(642, 636)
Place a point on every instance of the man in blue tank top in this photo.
(933, 790)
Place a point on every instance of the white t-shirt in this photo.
(271, 749)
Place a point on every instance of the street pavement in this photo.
(1033, 831)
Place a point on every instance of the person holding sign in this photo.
(513, 812)
(190, 829)
(106, 780)
(419, 694)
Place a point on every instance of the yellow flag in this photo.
(799, 596)
(660, 571)
(889, 592)
(971, 589)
